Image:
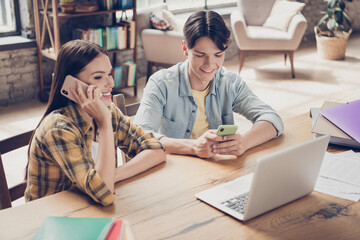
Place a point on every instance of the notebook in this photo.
(74, 228)
(346, 117)
(279, 178)
(322, 126)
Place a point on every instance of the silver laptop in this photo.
(279, 178)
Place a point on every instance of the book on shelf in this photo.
(79, 33)
(122, 37)
(124, 75)
(86, 7)
(322, 126)
(131, 79)
(115, 4)
(110, 37)
(123, 4)
(131, 34)
(57, 228)
(117, 76)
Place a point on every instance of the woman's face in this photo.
(205, 58)
(99, 73)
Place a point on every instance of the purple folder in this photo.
(346, 117)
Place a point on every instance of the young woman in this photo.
(75, 144)
(183, 105)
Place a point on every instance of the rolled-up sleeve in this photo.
(68, 151)
(252, 107)
(132, 138)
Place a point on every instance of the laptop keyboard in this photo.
(237, 203)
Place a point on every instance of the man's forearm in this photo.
(178, 146)
(261, 131)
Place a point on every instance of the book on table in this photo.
(346, 117)
(322, 126)
(57, 228)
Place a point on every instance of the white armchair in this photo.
(161, 48)
(251, 36)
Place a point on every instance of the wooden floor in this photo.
(316, 80)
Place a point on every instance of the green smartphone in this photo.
(224, 130)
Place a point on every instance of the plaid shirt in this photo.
(60, 153)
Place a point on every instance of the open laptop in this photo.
(279, 178)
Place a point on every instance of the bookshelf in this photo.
(47, 17)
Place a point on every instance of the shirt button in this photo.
(193, 111)
(188, 131)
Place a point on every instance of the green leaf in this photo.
(331, 24)
(339, 17)
(347, 19)
(321, 21)
(330, 12)
(332, 4)
(342, 5)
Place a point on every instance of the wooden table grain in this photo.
(160, 203)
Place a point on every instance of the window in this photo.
(9, 17)
(183, 5)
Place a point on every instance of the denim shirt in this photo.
(168, 107)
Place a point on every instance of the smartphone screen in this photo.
(224, 130)
(70, 82)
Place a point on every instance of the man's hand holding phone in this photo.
(230, 143)
(225, 140)
(224, 130)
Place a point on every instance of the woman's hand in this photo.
(91, 103)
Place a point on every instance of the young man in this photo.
(183, 105)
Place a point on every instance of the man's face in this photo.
(205, 58)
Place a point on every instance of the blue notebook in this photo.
(56, 228)
(346, 117)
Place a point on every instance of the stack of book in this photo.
(340, 121)
(125, 75)
(57, 228)
(117, 37)
(115, 4)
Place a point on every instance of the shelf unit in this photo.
(44, 28)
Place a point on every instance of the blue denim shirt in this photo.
(168, 108)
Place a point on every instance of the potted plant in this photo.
(331, 42)
(67, 6)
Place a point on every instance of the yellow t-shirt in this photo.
(201, 124)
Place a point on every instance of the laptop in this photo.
(279, 178)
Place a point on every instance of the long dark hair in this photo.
(72, 58)
(206, 24)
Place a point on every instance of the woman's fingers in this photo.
(97, 94)
(76, 96)
(90, 91)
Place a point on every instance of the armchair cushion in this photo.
(160, 23)
(170, 18)
(143, 16)
(282, 13)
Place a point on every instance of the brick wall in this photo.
(18, 76)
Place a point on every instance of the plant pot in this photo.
(331, 48)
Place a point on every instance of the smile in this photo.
(106, 94)
(207, 71)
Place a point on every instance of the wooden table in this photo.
(160, 203)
